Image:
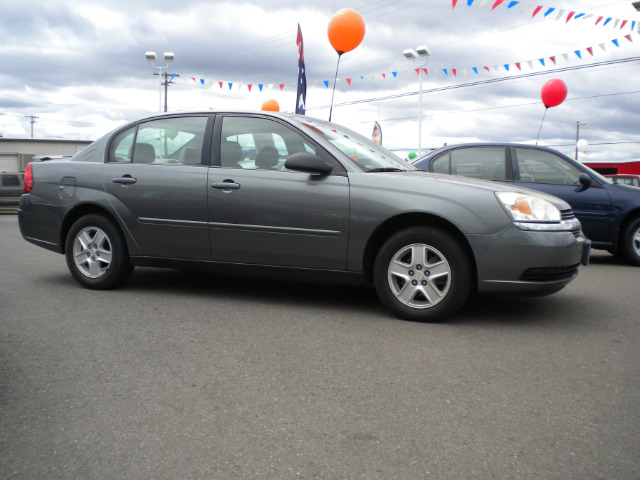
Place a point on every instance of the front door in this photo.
(260, 213)
(549, 173)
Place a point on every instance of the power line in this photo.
(456, 112)
(480, 82)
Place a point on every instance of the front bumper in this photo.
(528, 262)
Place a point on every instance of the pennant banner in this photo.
(545, 62)
(543, 12)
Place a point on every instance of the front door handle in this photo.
(125, 180)
(226, 185)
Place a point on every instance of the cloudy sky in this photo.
(80, 67)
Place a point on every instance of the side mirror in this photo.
(585, 180)
(308, 163)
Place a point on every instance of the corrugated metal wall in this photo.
(16, 153)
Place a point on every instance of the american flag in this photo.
(301, 97)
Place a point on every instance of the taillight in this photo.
(28, 179)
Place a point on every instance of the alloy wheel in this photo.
(419, 276)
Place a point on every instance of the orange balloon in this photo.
(346, 30)
(271, 106)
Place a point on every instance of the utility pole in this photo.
(166, 84)
(33, 120)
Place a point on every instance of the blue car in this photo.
(609, 213)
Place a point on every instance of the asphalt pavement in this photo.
(186, 375)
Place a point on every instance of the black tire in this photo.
(630, 242)
(423, 274)
(96, 253)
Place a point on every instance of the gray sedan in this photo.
(256, 192)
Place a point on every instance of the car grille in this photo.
(568, 215)
(547, 274)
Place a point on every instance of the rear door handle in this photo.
(226, 185)
(125, 180)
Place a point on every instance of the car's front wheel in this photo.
(423, 274)
(96, 253)
(631, 242)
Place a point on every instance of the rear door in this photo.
(157, 184)
(261, 213)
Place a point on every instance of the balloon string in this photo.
(334, 84)
(545, 114)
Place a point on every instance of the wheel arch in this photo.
(629, 218)
(406, 220)
(87, 209)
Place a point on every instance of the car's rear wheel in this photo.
(423, 274)
(631, 242)
(96, 253)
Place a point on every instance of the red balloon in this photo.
(553, 93)
(346, 30)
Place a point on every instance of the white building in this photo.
(15, 153)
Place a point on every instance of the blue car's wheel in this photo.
(630, 242)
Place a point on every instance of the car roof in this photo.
(483, 144)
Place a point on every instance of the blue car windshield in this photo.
(365, 153)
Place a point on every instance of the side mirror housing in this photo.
(308, 163)
(585, 180)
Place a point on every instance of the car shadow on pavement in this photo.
(605, 258)
(570, 309)
(563, 308)
(244, 288)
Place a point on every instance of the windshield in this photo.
(365, 153)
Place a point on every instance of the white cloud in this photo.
(80, 67)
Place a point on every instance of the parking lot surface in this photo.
(195, 375)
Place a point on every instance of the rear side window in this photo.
(121, 146)
(170, 141)
(442, 164)
(10, 181)
(488, 163)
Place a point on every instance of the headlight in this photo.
(526, 208)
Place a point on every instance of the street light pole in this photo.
(578, 125)
(168, 58)
(411, 54)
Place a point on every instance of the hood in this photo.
(488, 185)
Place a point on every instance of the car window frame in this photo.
(215, 159)
(206, 142)
(596, 182)
(508, 161)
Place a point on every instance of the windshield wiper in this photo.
(386, 169)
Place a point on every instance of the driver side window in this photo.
(258, 143)
(537, 166)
